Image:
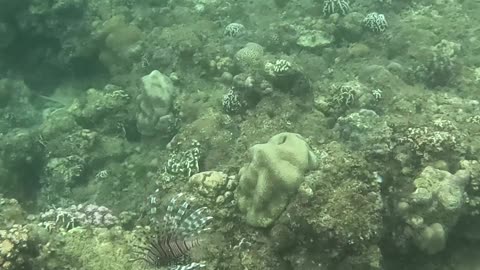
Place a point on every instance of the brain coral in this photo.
(249, 56)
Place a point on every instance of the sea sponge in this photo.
(273, 175)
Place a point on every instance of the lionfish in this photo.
(180, 234)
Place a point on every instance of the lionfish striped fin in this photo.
(180, 213)
(191, 266)
(158, 251)
(171, 244)
(194, 223)
(146, 255)
(169, 215)
(171, 218)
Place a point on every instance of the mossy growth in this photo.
(98, 249)
(339, 208)
(121, 43)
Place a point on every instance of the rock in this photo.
(210, 183)
(155, 104)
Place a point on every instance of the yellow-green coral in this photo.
(274, 173)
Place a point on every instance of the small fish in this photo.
(180, 235)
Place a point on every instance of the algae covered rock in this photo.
(435, 206)
(122, 43)
(214, 186)
(155, 104)
(14, 242)
(365, 130)
(210, 183)
(99, 104)
(442, 186)
(314, 39)
(98, 248)
(15, 105)
(432, 239)
(275, 172)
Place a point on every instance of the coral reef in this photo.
(365, 130)
(13, 245)
(184, 162)
(434, 208)
(234, 29)
(212, 184)
(250, 56)
(121, 43)
(78, 215)
(334, 6)
(99, 248)
(232, 103)
(271, 178)
(155, 104)
(336, 210)
(108, 108)
(375, 22)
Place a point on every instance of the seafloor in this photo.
(318, 134)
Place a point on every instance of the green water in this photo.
(269, 134)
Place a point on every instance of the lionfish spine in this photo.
(190, 266)
(170, 248)
(178, 247)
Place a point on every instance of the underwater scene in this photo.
(240, 135)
